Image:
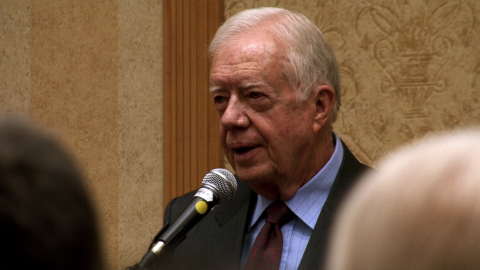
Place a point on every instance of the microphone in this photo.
(218, 186)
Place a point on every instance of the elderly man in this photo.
(276, 86)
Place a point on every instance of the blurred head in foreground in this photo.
(47, 220)
(420, 210)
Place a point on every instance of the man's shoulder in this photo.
(179, 203)
(350, 160)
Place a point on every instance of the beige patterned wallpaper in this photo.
(409, 67)
(92, 71)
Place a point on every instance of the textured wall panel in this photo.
(14, 56)
(140, 126)
(74, 85)
(409, 67)
(92, 71)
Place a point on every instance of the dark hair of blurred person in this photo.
(47, 218)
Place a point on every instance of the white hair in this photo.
(311, 61)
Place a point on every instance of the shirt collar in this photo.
(311, 195)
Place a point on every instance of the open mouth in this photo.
(243, 150)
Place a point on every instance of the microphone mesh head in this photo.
(222, 183)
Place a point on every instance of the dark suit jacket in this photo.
(216, 241)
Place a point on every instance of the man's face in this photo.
(266, 133)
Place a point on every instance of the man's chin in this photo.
(252, 176)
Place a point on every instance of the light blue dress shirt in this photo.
(306, 204)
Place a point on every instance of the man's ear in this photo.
(324, 97)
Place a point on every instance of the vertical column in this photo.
(191, 144)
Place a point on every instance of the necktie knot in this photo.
(278, 213)
(266, 251)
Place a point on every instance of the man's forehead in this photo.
(248, 57)
(247, 50)
(239, 74)
(257, 40)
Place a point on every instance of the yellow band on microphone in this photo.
(201, 207)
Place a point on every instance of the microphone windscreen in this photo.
(222, 182)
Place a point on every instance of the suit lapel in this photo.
(232, 220)
(314, 255)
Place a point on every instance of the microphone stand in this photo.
(150, 257)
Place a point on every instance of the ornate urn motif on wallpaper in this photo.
(412, 48)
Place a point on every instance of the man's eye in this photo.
(219, 99)
(255, 95)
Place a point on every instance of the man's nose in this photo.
(235, 116)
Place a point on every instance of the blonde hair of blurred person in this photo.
(419, 210)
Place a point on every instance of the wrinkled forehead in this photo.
(260, 46)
